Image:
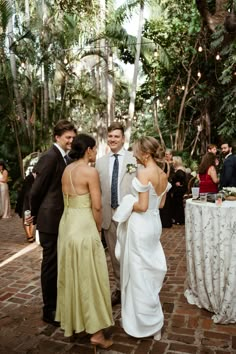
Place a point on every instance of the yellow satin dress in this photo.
(83, 298)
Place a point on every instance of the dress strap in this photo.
(72, 182)
(67, 200)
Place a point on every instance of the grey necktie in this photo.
(114, 183)
(67, 159)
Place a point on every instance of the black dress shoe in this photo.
(116, 298)
(49, 317)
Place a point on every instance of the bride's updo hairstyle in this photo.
(80, 144)
(149, 145)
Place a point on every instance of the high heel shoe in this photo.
(30, 239)
(157, 335)
(106, 343)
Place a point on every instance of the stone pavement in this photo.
(187, 329)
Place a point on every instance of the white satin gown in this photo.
(142, 263)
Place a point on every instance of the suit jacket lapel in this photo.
(60, 157)
(106, 165)
(124, 166)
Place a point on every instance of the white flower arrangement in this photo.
(131, 168)
(229, 191)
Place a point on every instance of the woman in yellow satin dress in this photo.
(83, 299)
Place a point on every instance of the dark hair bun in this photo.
(80, 145)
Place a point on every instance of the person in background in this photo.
(228, 172)
(179, 188)
(5, 206)
(208, 180)
(47, 208)
(143, 263)
(23, 204)
(116, 171)
(165, 212)
(213, 148)
(83, 297)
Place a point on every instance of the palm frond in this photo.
(5, 13)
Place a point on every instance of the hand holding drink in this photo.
(28, 219)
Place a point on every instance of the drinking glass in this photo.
(195, 192)
(203, 197)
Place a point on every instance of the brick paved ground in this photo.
(187, 329)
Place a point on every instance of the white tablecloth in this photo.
(211, 258)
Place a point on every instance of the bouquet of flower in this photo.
(229, 193)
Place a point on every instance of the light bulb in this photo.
(218, 57)
(183, 87)
(168, 98)
(200, 49)
(199, 74)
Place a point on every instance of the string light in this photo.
(183, 87)
(155, 54)
(217, 57)
(200, 49)
(199, 74)
(65, 61)
(168, 98)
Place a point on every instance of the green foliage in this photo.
(5, 14)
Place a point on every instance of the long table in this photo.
(211, 258)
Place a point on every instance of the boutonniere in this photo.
(131, 168)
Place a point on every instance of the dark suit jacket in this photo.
(46, 193)
(228, 172)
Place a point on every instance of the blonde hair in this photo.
(177, 161)
(149, 145)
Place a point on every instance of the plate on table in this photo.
(230, 197)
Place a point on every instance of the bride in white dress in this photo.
(138, 248)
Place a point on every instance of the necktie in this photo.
(67, 159)
(114, 183)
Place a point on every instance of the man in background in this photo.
(47, 208)
(212, 148)
(116, 171)
(228, 172)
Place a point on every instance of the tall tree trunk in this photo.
(135, 76)
(213, 20)
(45, 92)
(186, 90)
(156, 123)
(102, 120)
(19, 107)
(19, 155)
(110, 88)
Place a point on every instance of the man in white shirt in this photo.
(116, 171)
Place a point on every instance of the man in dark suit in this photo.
(228, 172)
(47, 208)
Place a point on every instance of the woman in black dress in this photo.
(166, 211)
(179, 187)
(23, 204)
